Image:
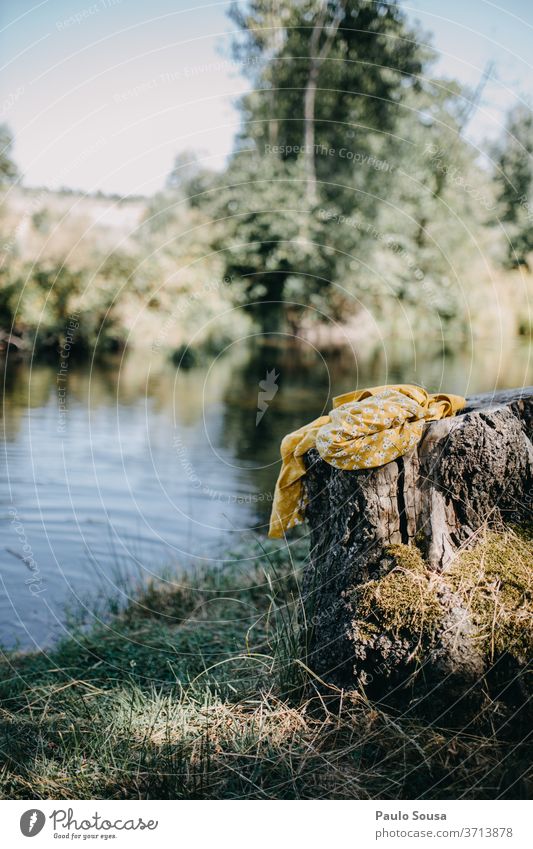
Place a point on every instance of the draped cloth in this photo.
(365, 429)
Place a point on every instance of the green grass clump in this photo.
(201, 689)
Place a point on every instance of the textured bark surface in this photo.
(468, 471)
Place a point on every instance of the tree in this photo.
(272, 244)
(514, 180)
(188, 176)
(327, 78)
(8, 169)
(433, 209)
(320, 45)
(335, 66)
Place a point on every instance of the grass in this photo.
(200, 689)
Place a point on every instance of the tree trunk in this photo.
(317, 55)
(309, 132)
(472, 470)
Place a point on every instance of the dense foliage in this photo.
(514, 176)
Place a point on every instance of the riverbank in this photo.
(119, 267)
(201, 689)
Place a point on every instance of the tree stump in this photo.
(471, 471)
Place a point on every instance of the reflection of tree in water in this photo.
(18, 394)
(303, 393)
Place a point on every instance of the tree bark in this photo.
(317, 55)
(309, 132)
(469, 471)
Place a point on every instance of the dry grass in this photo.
(181, 697)
(493, 582)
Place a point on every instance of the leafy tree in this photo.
(514, 180)
(8, 169)
(188, 176)
(433, 208)
(327, 79)
(324, 74)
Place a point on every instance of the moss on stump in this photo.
(470, 625)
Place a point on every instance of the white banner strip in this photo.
(262, 825)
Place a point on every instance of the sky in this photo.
(103, 95)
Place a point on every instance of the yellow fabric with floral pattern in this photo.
(365, 429)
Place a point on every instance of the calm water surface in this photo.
(151, 466)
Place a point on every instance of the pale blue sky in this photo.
(102, 95)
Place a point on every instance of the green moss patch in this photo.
(492, 582)
(495, 582)
(404, 601)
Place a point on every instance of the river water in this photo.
(124, 470)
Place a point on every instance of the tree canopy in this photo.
(344, 157)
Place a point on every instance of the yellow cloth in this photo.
(365, 428)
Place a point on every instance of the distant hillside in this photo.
(49, 213)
